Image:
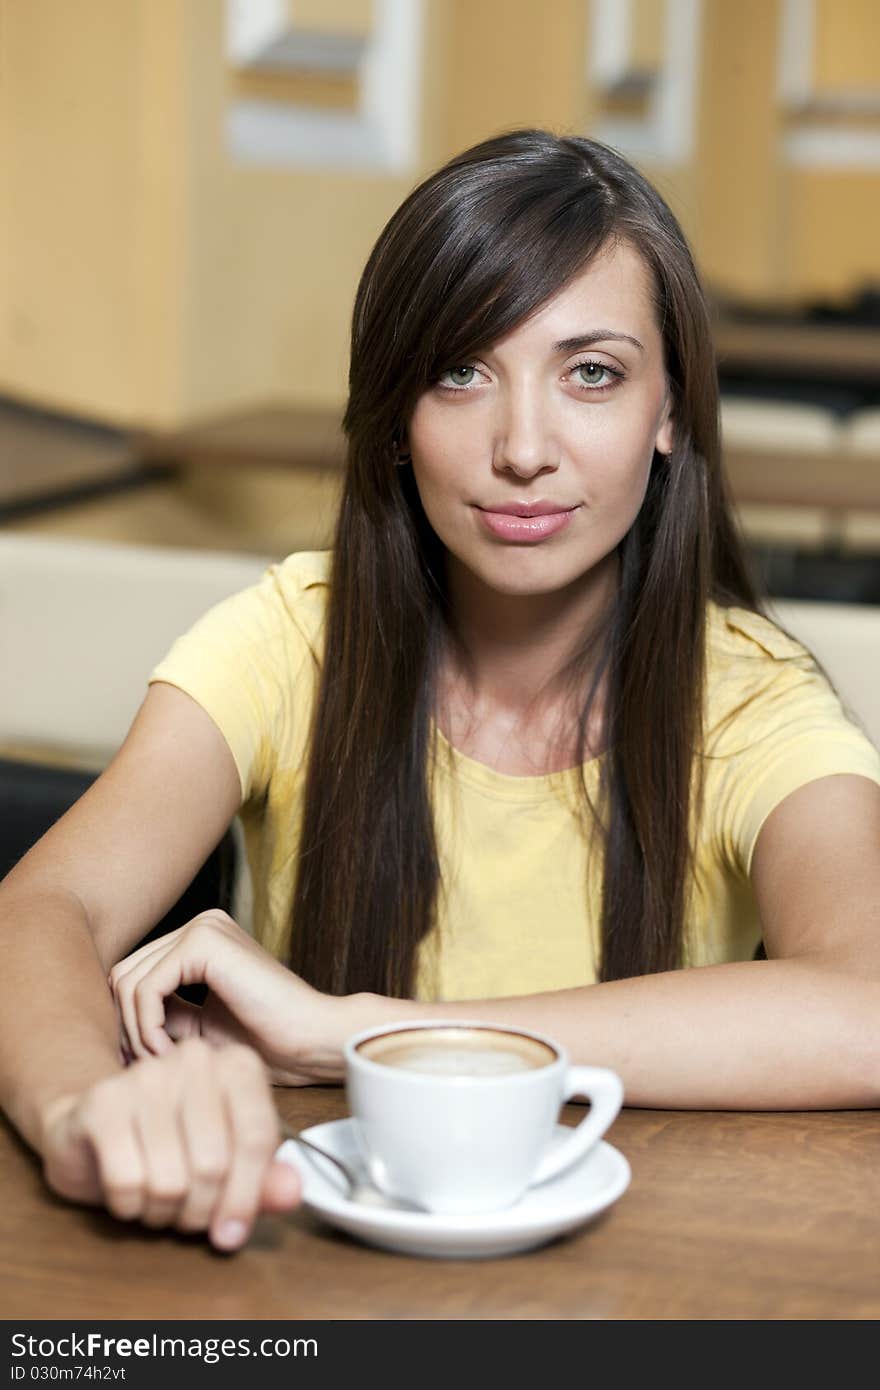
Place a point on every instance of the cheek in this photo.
(443, 454)
(429, 428)
(614, 468)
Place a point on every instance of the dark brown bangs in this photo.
(494, 283)
(471, 254)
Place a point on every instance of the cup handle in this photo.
(604, 1090)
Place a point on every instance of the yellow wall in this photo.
(276, 258)
(738, 182)
(824, 208)
(148, 280)
(69, 104)
(512, 63)
(847, 40)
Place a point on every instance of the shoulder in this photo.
(274, 626)
(250, 663)
(746, 652)
(283, 611)
(297, 589)
(773, 723)
(756, 672)
(739, 634)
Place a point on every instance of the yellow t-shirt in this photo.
(519, 906)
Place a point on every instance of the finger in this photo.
(124, 984)
(214, 918)
(253, 1126)
(184, 964)
(125, 1050)
(148, 949)
(182, 1019)
(206, 1137)
(69, 1163)
(106, 1122)
(132, 966)
(126, 975)
(282, 1187)
(157, 1125)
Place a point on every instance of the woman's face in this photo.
(532, 458)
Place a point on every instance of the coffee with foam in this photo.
(458, 1052)
(461, 1116)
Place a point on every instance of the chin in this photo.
(521, 572)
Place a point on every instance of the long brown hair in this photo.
(472, 251)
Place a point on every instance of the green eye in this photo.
(460, 376)
(592, 372)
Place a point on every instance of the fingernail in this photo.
(231, 1234)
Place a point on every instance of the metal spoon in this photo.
(359, 1190)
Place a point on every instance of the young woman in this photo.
(522, 740)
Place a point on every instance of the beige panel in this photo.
(154, 282)
(149, 280)
(834, 241)
(331, 16)
(739, 187)
(437, 95)
(93, 311)
(512, 63)
(68, 103)
(846, 49)
(647, 35)
(627, 104)
(326, 90)
(279, 255)
(161, 251)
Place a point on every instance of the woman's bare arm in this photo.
(800, 1030)
(184, 1140)
(92, 887)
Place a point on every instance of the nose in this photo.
(524, 443)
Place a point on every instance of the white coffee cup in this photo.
(460, 1116)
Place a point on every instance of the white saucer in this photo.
(558, 1205)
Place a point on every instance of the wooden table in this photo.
(832, 350)
(728, 1216)
(272, 434)
(49, 461)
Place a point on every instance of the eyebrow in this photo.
(599, 335)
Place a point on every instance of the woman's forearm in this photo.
(797, 1033)
(58, 1026)
(759, 1035)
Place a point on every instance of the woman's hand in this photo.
(184, 1140)
(252, 999)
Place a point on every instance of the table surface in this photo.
(730, 1216)
(47, 461)
(835, 350)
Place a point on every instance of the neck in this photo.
(513, 651)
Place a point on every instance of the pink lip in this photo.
(540, 508)
(526, 525)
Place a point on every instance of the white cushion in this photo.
(863, 433)
(804, 527)
(846, 639)
(777, 426)
(82, 624)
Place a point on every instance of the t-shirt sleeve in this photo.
(246, 662)
(785, 727)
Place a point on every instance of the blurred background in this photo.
(189, 190)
